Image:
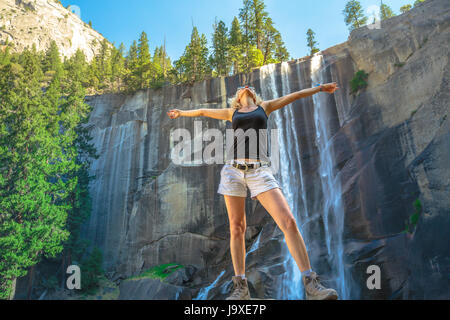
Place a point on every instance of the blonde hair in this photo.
(234, 103)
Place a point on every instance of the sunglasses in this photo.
(251, 88)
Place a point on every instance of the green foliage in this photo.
(50, 283)
(354, 15)
(131, 64)
(411, 223)
(51, 63)
(359, 81)
(219, 59)
(144, 69)
(386, 12)
(91, 271)
(34, 158)
(162, 64)
(311, 42)
(157, 272)
(256, 57)
(252, 42)
(43, 185)
(45, 150)
(258, 31)
(236, 47)
(194, 63)
(417, 2)
(405, 8)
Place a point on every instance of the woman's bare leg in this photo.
(236, 215)
(275, 203)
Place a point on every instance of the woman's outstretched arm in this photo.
(220, 114)
(275, 104)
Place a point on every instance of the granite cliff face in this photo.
(27, 22)
(351, 168)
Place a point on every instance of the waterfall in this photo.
(333, 211)
(203, 293)
(292, 184)
(255, 244)
(292, 180)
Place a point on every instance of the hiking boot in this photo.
(315, 291)
(240, 289)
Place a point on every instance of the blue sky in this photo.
(123, 21)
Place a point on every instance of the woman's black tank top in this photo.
(253, 125)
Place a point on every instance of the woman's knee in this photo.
(288, 223)
(237, 228)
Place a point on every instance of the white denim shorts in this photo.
(234, 181)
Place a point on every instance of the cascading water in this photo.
(289, 163)
(333, 212)
(203, 293)
(292, 181)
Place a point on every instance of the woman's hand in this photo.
(174, 113)
(330, 87)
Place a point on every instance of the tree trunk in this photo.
(30, 282)
(63, 272)
(13, 289)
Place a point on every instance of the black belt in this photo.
(246, 166)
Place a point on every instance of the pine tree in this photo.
(93, 75)
(117, 67)
(259, 31)
(104, 67)
(77, 69)
(258, 18)
(79, 199)
(354, 15)
(236, 47)
(195, 62)
(5, 57)
(247, 36)
(311, 41)
(273, 49)
(220, 59)
(144, 70)
(131, 65)
(51, 63)
(281, 53)
(255, 57)
(385, 12)
(35, 158)
(162, 65)
(92, 270)
(178, 73)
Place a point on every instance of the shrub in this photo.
(359, 81)
(411, 223)
(91, 271)
(157, 272)
(50, 283)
